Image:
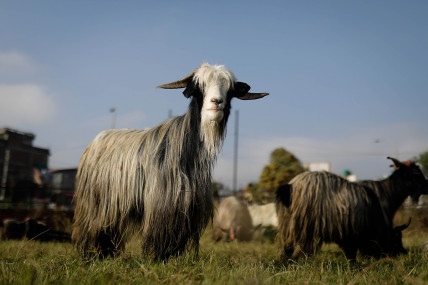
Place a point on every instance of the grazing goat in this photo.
(156, 181)
(233, 221)
(319, 207)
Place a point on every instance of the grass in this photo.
(30, 262)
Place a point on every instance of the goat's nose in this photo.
(217, 101)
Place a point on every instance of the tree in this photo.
(423, 161)
(282, 168)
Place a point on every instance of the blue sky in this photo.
(341, 74)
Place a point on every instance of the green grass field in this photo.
(30, 262)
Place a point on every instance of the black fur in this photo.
(283, 195)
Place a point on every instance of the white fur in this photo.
(214, 81)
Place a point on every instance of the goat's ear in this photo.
(188, 91)
(191, 90)
(240, 89)
(241, 92)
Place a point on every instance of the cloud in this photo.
(26, 104)
(22, 104)
(16, 66)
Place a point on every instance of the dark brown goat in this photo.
(319, 207)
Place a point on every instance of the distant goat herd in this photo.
(156, 183)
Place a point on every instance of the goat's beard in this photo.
(212, 136)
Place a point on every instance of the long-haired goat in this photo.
(319, 207)
(156, 181)
(233, 221)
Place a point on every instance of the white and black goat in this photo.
(156, 181)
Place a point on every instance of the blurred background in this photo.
(347, 83)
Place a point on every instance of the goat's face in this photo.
(213, 87)
(214, 83)
(412, 178)
(215, 101)
(396, 241)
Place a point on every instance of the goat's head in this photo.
(391, 244)
(396, 242)
(411, 175)
(217, 86)
(213, 87)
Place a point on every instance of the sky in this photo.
(341, 76)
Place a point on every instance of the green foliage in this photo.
(423, 160)
(282, 168)
(255, 194)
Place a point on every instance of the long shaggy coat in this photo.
(324, 207)
(156, 181)
(124, 189)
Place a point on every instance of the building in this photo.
(62, 188)
(21, 166)
(318, 166)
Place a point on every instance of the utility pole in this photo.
(235, 153)
(113, 121)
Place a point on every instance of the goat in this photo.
(156, 181)
(319, 207)
(234, 220)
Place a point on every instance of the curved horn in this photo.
(397, 163)
(179, 83)
(253, 96)
(404, 226)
